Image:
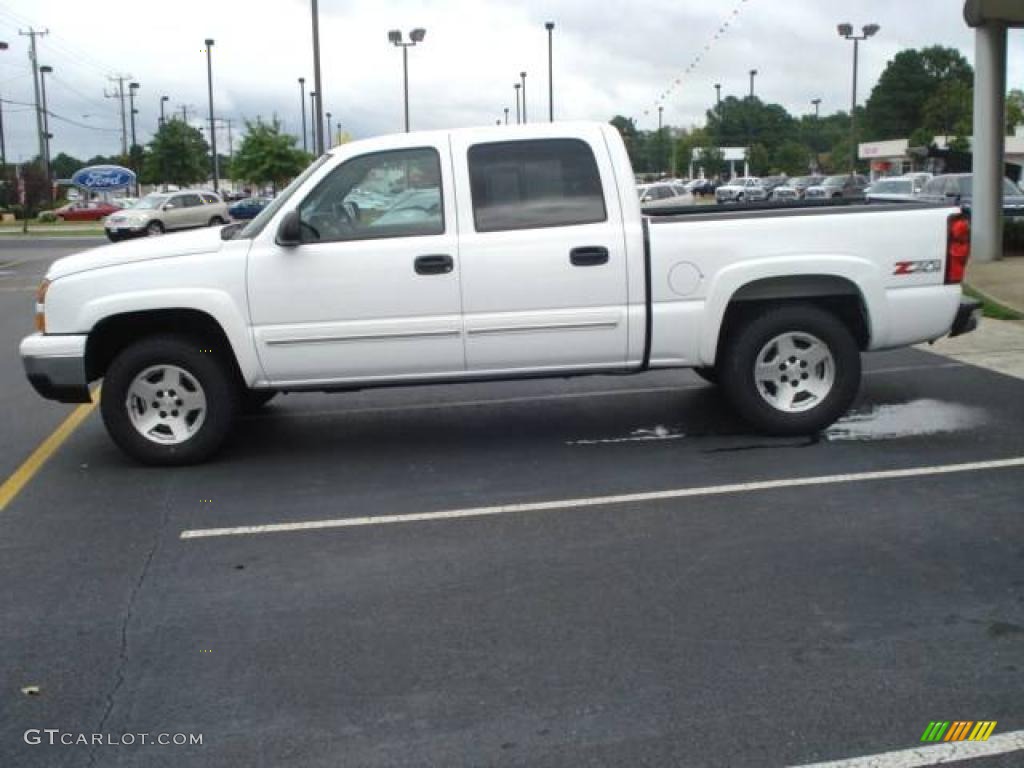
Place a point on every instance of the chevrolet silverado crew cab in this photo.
(489, 253)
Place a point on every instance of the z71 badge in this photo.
(916, 267)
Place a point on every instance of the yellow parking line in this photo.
(22, 475)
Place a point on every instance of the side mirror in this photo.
(228, 232)
(289, 231)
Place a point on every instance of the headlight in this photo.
(40, 305)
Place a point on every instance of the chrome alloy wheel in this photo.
(166, 404)
(794, 372)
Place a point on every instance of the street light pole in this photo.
(506, 116)
(660, 110)
(519, 112)
(312, 120)
(330, 139)
(213, 130)
(302, 109)
(395, 38)
(817, 131)
(718, 96)
(846, 30)
(753, 74)
(523, 76)
(549, 26)
(163, 100)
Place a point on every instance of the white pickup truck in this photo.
(489, 253)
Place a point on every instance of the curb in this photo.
(988, 297)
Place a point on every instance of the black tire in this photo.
(154, 228)
(213, 374)
(216, 221)
(736, 368)
(112, 237)
(708, 373)
(254, 399)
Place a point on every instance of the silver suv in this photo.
(161, 212)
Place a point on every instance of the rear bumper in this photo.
(55, 366)
(968, 314)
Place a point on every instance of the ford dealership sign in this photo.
(99, 177)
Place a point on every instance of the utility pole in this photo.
(119, 95)
(32, 34)
(3, 147)
(302, 109)
(519, 111)
(45, 70)
(213, 127)
(132, 88)
(318, 119)
(550, 26)
(330, 140)
(506, 115)
(163, 100)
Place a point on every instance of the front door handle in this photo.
(588, 256)
(434, 264)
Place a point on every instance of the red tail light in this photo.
(958, 247)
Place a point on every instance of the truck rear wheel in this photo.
(167, 402)
(792, 370)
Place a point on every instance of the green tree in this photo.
(268, 156)
(949, 110)
(1014, 110)
(792, 157)
(894, 107)
(743, 122)
(63, 166)
(178, 154)
(712, 160)
(626, 127)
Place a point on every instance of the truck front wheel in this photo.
(792, 370)
(168, 402)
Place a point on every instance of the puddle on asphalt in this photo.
(914, 419)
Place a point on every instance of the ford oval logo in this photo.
(103, 177)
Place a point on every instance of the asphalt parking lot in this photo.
(599, 571)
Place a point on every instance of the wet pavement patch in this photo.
(914, 419)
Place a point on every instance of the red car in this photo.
(92, 210)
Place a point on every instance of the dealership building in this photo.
(896, 157)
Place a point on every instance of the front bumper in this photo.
(55, 366)
(968, 315)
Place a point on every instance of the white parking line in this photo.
(936, 754)
(597, 501)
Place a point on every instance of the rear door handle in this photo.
(588, 256)
(434, 264)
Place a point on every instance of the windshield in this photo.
(835, 181)
(150, 202)
(256, 226)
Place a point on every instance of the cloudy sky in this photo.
(610, 57)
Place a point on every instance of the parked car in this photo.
(920, 178)
(663, 195)
(956, 188)
(743, 189)
(891, 190)
(124, 202)
(701, 187)
(163, 212)
(795, 188)
(248, 208)
(849, 186)
(771, 183)
(530, 261)
(91, 210)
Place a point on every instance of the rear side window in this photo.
(210, 199)
(534, 184)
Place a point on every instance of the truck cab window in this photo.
(383, 194)
(534, 184)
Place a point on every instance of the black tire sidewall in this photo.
(219, 388)
(154, 228)
(737, 368)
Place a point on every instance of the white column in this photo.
(989, 141)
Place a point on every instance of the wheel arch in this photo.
(114, 332)
(848, 288)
